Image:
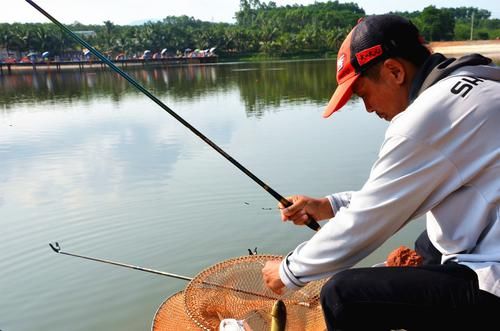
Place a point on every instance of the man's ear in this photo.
(395, 70)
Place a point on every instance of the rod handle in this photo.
(311, 222)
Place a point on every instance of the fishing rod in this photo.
(311, 223)
(57, 249)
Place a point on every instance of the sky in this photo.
(129, 11)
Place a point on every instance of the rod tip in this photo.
(55, 247)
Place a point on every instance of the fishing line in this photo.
(176, 180)
(311, 223)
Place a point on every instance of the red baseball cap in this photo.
(373, 39)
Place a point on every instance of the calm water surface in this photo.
(87, 161)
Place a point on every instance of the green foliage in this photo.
(436, 24)
(482, 29)
(260, 28)
(292, 29)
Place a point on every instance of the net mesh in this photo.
(171, 315)
(234, 289)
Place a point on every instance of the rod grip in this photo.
(311, 222)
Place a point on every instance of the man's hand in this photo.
(302, 207)
(271, 276)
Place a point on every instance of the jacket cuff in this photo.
(333, 204)
(339, 200)
(287, 277)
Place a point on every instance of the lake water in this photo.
(89, 162)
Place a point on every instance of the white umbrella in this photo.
(45, 54)
(163, 51)
(212, 49)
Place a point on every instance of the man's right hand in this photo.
(302, 207)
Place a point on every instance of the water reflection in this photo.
(260, 85)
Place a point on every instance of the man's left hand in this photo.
(271, 276)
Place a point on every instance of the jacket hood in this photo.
(438, 67)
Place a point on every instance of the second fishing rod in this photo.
(311, 223)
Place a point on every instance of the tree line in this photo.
(260, 28)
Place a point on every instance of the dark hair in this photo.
(373, 72)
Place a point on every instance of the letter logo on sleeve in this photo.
(465, 85)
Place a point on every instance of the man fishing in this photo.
(440, 157)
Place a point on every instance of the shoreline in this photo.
(9, 68)
(488, 48)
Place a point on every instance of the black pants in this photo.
(428, 297)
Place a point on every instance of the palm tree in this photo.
(7, 37)
(109, 28)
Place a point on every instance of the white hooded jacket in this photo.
(441, 156)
